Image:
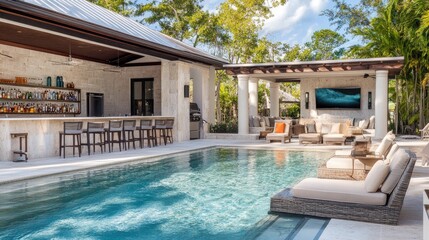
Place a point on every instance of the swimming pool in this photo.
(217, 193)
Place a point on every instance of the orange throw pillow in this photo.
(280, 128)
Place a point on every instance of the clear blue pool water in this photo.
(212, 194)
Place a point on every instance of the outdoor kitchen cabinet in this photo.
(38, 99)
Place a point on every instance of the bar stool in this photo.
(73, 129)
(115, 126)
(146, 126)
(95, 128)
(161, 128)
(22, 151)
(129, 126)
(169, 129)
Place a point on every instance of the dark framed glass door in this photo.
(142, 96)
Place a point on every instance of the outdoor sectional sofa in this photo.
(351, 200)
(328, 133)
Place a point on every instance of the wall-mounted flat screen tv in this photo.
(338, 98)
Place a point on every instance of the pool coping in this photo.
(121, 158)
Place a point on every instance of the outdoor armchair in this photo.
(425, 132)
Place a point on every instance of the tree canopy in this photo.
(385, 28)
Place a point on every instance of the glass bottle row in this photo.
(53, 108)
(12, 93)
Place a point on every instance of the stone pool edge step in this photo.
(277, 226)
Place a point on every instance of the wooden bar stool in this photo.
(115, 126)
(22, 151)
(94, 129)
(169, 129)
(146, 126)
(73, 129)
(129, 127)
(160, 127)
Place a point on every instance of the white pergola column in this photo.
(381, 103)
(243, 104)
(253, 96)
(274, 99)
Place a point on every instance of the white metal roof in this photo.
(94, 14)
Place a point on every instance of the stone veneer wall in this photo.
(310, 84)
(88, 76)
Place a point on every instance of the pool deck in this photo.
(410, 223)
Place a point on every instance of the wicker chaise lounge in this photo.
(382, 208)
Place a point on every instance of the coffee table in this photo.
(263, 134)
(366, 160)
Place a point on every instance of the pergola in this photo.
(248, 75)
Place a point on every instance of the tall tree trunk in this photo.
(422, 110)
(396, 105)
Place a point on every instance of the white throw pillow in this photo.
(397, 166)
(371, 124)
(363, 124)
(392, 151)
(326, 128)
(256, 121)
(385, 144)
(376, 176)
(250, 121)
(335, 128)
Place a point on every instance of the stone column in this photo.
(274, 99)
(381, 103)
(253, 96)
(174, 75)
(243, 104)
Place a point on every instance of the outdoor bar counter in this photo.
(43, 133)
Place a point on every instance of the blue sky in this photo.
(295, 22)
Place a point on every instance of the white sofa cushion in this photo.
(376, 176)
(397, 166)
(338, 191)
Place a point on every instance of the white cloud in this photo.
(296, 21)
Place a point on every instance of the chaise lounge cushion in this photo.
(338, 191)
(397, 165)
(376, 176)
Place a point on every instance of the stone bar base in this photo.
(43, 138)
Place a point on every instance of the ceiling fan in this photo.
(68, 62)
(114, 69)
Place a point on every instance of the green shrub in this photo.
(229, 127)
